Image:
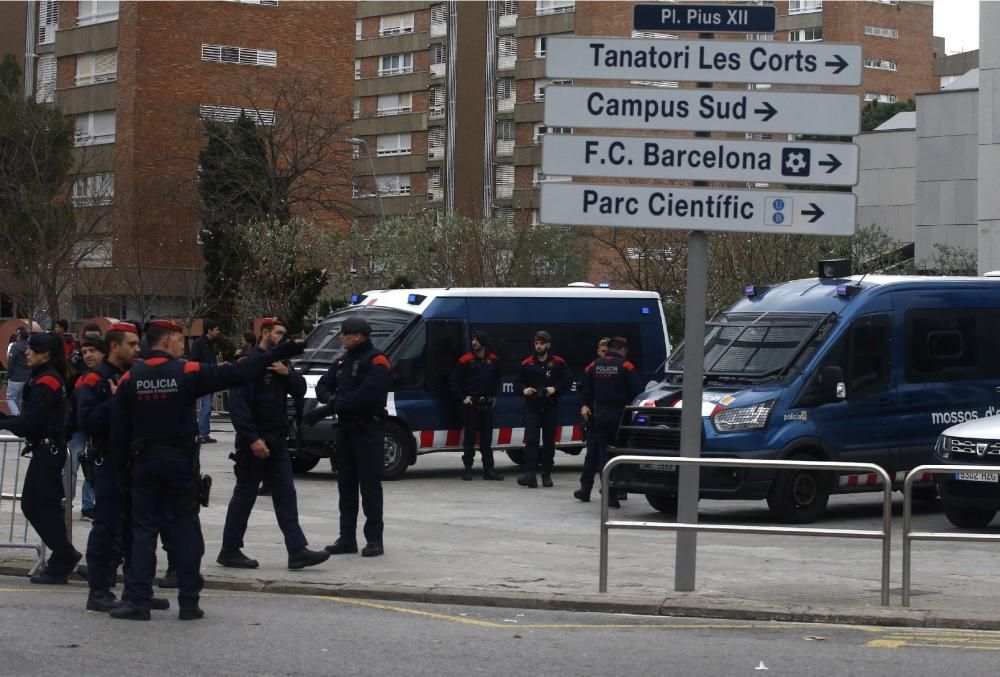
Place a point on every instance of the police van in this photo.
(841, 368)
(424, 332)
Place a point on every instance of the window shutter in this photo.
(45, 89)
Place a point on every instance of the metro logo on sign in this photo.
(786, 63)
(705, 18)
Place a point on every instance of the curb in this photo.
(596, 603)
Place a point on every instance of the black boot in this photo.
(236, 559)
(129, 612)
(491, 474)
(546, 479)
(190, 613)
(101, 600)
(169, 579)
(47, 577)
(528, 479)
(307, 558)
(342, 547)
(372, 549)
(581, 495)
(467, 473)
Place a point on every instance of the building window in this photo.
(880, 98)
(886, 2)
(97, 67)
(881, 32)
(357, 29)
(48, 21)
(435, 191)
(881, 64)
(814, 34)
(266, 3)
(543, 7)
(541, 130)
(505, 215)
(437, 102)
(439, 20)
(653, 83)
(653, 35)
(508, 13)
(393, 144)
(537, 177)
(395, 64)
(804, 6)
(356, 113)
(507, 51)
(505, 137)
(540, 46)
(94, 190)
(357, 69)
(541, 84)
(242, 56)
(439, 59)
(394, 104)
(394, 184)
(232, 113)
(395, 24)
(45, 89)
(96, 11)
(93, 129)
(435, 143)
(506, 95)
(505, 181)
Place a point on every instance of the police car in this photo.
(970, 499)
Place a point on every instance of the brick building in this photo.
(139, 78)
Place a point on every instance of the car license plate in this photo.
(658, 467)
(978, 476)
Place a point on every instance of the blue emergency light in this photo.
(645, 310)
(604, 285)
(415, 299)
(355, 299)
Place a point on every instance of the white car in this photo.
(970, 499)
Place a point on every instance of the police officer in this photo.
(609, 384)
(474, 382)
(542, 379)
(259, 412)
(154, 428)
(357, 385)
(42, 423)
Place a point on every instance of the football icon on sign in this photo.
(795, 161)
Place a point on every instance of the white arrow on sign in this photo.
(702, 110)
(764, 211)
(785, 63)
(636, 157)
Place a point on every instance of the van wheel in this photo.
(968, 516)
(516, 455)
(303, 464)
(799, 496)
(397, 451)
(665, 503)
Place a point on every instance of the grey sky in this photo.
(957, 21)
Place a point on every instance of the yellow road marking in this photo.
(938, 639)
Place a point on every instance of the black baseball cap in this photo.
(542, 335)
(356, 325)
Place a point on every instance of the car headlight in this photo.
(943, 447)
(740, 419)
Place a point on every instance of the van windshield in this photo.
(757, 346)
(323, 344)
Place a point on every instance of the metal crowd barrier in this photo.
(909, 536)
(12, 469)
(884, 534)
(220, 403)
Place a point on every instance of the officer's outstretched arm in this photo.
(202, 379)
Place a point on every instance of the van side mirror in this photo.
(831, 382)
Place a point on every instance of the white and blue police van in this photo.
(423, 332)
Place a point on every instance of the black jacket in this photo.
(609, 384)
(93, 404)
(43, 408)
(357, 382)
(475, 377)
(203, 350)
(540, 375)
(261, 407)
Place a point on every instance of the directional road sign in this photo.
(636, 157)
(786, 63)
(702, 110)
(704, 18)
(765, 211)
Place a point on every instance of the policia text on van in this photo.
(840, 368)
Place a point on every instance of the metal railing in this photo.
(909, 536)
(12, 469)
(884, 534)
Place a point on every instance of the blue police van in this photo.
(424, 332)
(843, 368)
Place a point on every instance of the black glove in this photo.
(286, 350)
(318, 414)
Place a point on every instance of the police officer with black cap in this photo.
(474, 382)
(259, 412)
(154, 428)
(542, 379)
(357, 386)
(609, 384)
(42, 423)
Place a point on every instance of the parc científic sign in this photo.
(705, 18)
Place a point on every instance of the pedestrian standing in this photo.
(259, 412)
(357, 385)
(205, 351)
(474, 382)
(82, 363)
(542, 379)
(154, 428)
(610, 383)
(42, 423)
(18, 371)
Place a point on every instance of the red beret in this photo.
(167, 324)
(123, 326)
(269, 322)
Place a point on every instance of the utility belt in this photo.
(43, 445)
(358, 422)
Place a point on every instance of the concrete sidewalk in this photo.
(497, 544)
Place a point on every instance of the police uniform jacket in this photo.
(261, 408)
(475, 377)
(610, 383)
(357, 382)
(542, 374)
(93, 403)
(43, 408)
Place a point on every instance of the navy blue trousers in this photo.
(600, 434)
(110, 539)
(360, 456)
(41, 503)
(478, 420)
(539, 424)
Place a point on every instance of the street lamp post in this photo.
(357, 142)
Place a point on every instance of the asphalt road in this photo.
(45, 631)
